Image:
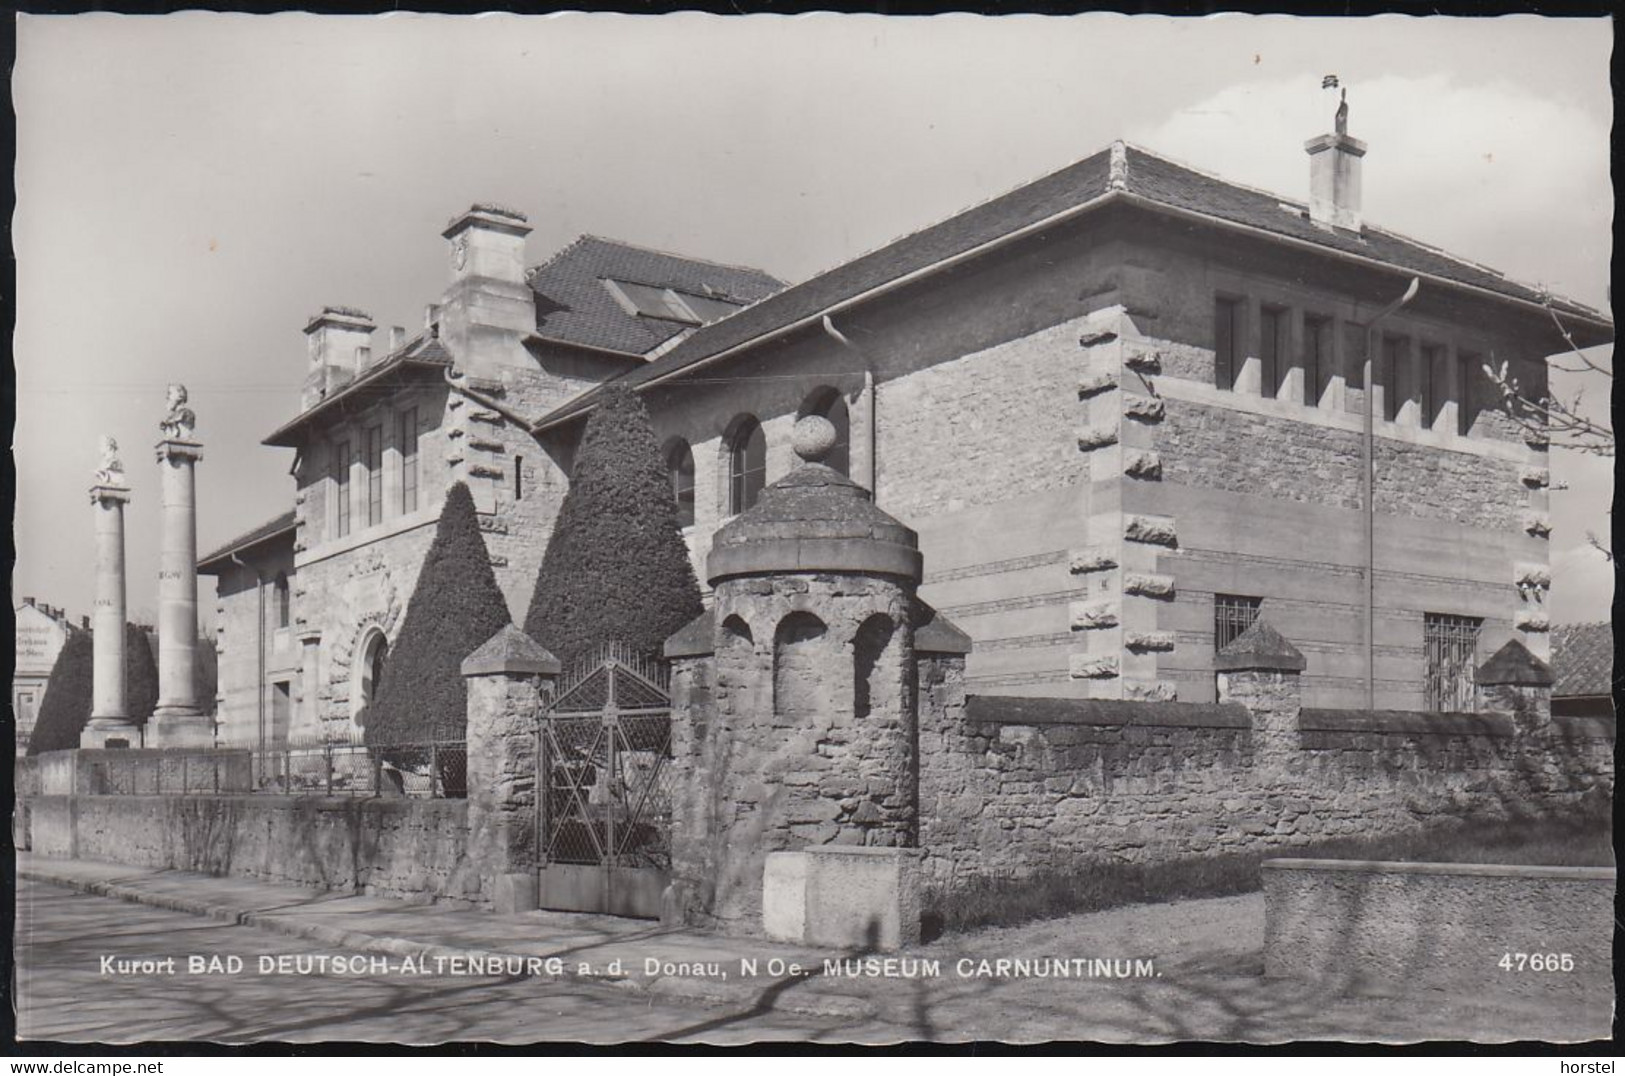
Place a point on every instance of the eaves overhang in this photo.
(291, 434)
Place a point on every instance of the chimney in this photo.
(488, 308)
(84, 622)
(338, 339)
(1334, 175)
(431, 319)
(488, 243)
(397, 338)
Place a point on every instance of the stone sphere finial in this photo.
(813, 437)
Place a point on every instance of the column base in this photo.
(175, 726)
(110, 732)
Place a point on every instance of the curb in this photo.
(672, 988)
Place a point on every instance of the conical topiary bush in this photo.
(455, 607)
(616, 568)
(69, 690)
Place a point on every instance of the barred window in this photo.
(1451, 643)
(1232, 615)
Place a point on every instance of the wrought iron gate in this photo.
(604, 808)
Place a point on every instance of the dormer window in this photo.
(669, 304)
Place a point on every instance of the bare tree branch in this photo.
(1546, 419)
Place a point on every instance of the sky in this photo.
(192, 188)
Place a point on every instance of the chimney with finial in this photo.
(1334, 170)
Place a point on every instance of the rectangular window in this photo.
(1451, 643)
(519, 478)
(1428, 369)
(1389, 376)
(1272, 349)
(1227, 357)
(1317, 358)
(341, 489)
(1232, 615)
(1468, 365)
(281, 711)
(375, 475)
(408, 441)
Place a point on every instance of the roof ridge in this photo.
(961, 211)
(643, 249)
(1286, 200)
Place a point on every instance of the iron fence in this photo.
(435, 769)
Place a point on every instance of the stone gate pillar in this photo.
(805, 741)
(1260, 670)
(1514, 681)
(510, 678)
(178, 721)
(109, 724)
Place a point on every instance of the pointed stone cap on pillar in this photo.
(814, 519)
(510, 652)
(1514, 664)
(936, 634)
(1259, 647)
(694, 639)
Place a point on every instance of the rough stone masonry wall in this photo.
(776, 756)
(1023, 793)
(401, 848)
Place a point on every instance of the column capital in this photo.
(177, 448)
(102, 492)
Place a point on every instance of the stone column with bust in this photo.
(798, 801)
(178, 721)
(110, 724)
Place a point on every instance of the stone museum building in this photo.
(1127, 408)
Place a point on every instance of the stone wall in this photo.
(1441, 925)
(403, 848)
(1016, 786)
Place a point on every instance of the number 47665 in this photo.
(1537, 962)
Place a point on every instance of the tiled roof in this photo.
(271, 528)
(1146, 176)
(1583, 659)
(574, 307)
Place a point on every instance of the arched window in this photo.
(680, 468)
(369, 676)
(830, 404)
(747, 464)
(280, 600)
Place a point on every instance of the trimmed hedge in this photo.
(69, 691)
(616, 568)
(455, 608)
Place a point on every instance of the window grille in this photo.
(1451, 643)
(1232, 615)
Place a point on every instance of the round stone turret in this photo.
(810, 736)
(814, 519)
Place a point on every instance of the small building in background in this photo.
(41, 632)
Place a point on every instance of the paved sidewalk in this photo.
(1206, 982)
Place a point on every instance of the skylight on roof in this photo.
(669, 304)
